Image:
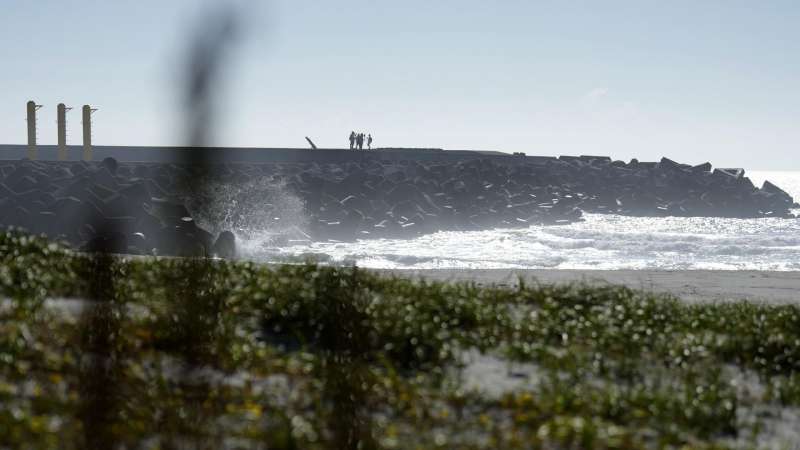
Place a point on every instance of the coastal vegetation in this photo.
(113, 352)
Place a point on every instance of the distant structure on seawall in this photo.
(61, 120)
(32, 108)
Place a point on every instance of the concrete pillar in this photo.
(87, 132)
(32, 107)
(61, 119)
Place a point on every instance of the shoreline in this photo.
(770, 287)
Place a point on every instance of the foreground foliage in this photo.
(211, 354)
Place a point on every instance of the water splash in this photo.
(262, 212)
(604, 242)
(600, 242)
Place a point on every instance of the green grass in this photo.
(173, 353)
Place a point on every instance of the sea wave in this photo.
(599, 242)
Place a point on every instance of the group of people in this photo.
(357, 141)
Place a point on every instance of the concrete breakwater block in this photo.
(144, 207)
(98, 207)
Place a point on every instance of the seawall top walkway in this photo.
(259, 155)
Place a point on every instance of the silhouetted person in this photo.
(369, 141)
(352, 139)
(360, 141)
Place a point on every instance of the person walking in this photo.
(360, 141)
(352, 139)
(369, 141)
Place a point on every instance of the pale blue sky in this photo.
(691, 80)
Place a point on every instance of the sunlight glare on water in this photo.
(599, 242)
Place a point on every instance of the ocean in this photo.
(607, 242)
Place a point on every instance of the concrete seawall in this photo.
(263, 155)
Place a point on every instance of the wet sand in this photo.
(689, 285)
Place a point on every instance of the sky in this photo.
(691, 80)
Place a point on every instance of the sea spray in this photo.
(262, 212)
(606, 242)
(602, 241)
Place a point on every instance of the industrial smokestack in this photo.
(87, 132)
(32, 108)
(61, 119)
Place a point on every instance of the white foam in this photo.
(600, 242)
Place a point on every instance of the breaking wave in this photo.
(600, 242)
(261, 212)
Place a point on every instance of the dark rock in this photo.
(359, 202)
(5, 192)
(668, 164)
(108, 242)
(225, 245)
(353, 220)
(139, 244)
(115, 206)
(18, 216)
(406, 208)
(155, 189)
(126, 225)
(153, 229)
(136, 192)
(47, 223)
(569, 159)
(22, 184)
(403, 191)
(166, 209)
(82, 167)
(103, 177)
(75, 188)
(110, 164)
(181, 240)
(595, 159)
(775, 190)
(28, 197)
(734, 174)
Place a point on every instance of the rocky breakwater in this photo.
(105, 206)
(396, 199)
(142, 208)
(667, 188)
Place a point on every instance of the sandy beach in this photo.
(689, 285)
